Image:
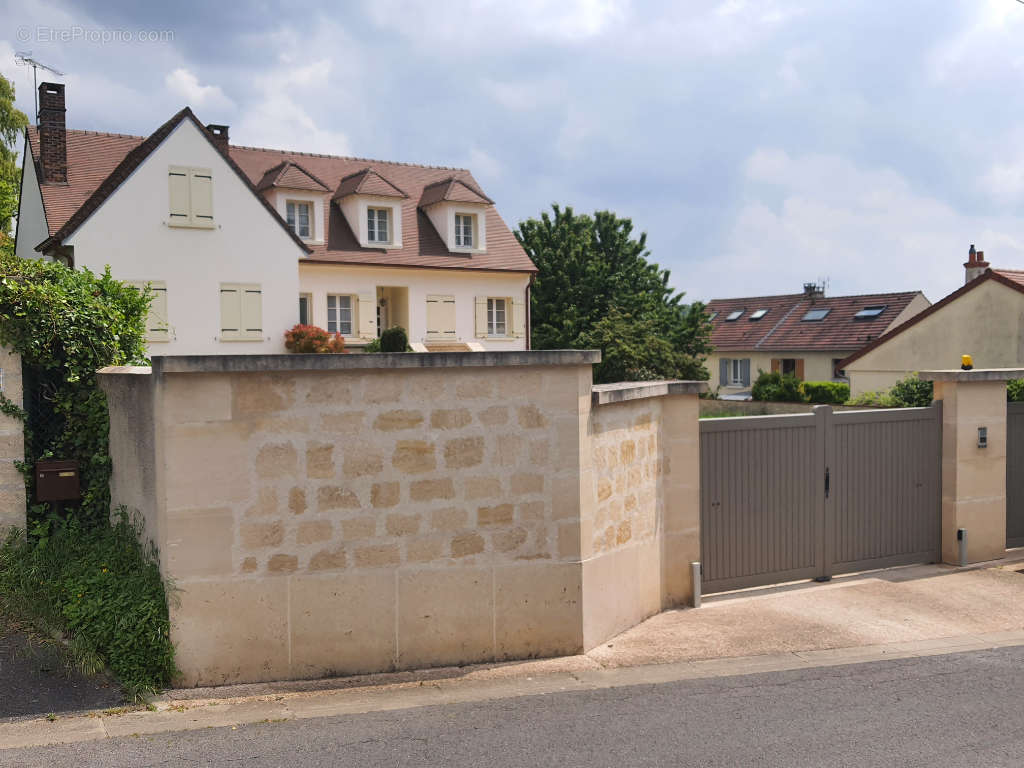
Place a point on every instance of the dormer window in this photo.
(377, 225)
(299, 218)
(464, 230)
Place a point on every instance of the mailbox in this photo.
(57, 480)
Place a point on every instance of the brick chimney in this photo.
(219, 134)
(975, 265)
(53, 147)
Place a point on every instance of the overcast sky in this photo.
(759, 143)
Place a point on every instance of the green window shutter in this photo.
(745, 371)
(723, 372)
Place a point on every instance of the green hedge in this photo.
(775, 387)
(826, 392)
(99, 586)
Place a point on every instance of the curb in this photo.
(186, 715)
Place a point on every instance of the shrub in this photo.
(67, 324)
(307, 339)
(1015, 390)
(911, 392)
(776, 387)
(827, 392)
(394, 339)
(876, 399)
(99, 586)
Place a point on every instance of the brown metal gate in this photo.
(806, 496)
(1014, 475)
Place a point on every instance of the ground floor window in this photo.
(304, 309)
(497, 314)
(339, 315)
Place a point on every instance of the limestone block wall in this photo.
(331, 516)
(12, 446)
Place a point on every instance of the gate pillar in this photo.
(973, 460)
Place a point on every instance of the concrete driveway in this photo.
(896, 605)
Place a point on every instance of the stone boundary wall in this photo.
(12, 446)
(360, 519)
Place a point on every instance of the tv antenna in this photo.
(24, 59)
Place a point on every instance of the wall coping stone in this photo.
(620, 392)
(383, 361)
(975, 374)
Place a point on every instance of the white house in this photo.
(239, 244)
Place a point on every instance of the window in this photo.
(759, 314)
(870, 313)
(305, 304)
(441, 317)
(241, 312)
(377, 225)
(734, 372)
(190, 197)
(837, 371)
(464, 230)
(157, 327)
(339, 315)
(815, 314)
(734, 316)
(496, 317)
(299, 219)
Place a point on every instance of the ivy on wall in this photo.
(67, 324)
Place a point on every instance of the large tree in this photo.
(596, 289)
(12, 123)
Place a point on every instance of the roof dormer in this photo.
(298, 196)
(372, 206)
(457, 210)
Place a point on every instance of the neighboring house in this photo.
(804, 334)
(984, 318)
(239, 244)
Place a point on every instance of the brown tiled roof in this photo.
(291, 176)
(91, 158)
(421, 244)
(783, 328)
(99, 162)
(454, 190)
(122, 170)
(367, 182)
(1011, 278)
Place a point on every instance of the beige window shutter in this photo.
(157, 325)
(481, 317)
(178, 185)
(230, 312)
(252, 311)
(201, 196)
(518, 317)
(367, 316)
(441, 317)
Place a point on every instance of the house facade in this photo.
(239, 244)
(984, 318)
(806, 335)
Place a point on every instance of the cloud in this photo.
(185, 85)
(866, 229)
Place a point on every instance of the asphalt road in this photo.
(958, 710)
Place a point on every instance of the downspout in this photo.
(528, 319)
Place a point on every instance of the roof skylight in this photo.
(815, 314)
(734, 315)
(759, 314)
(871, 312)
